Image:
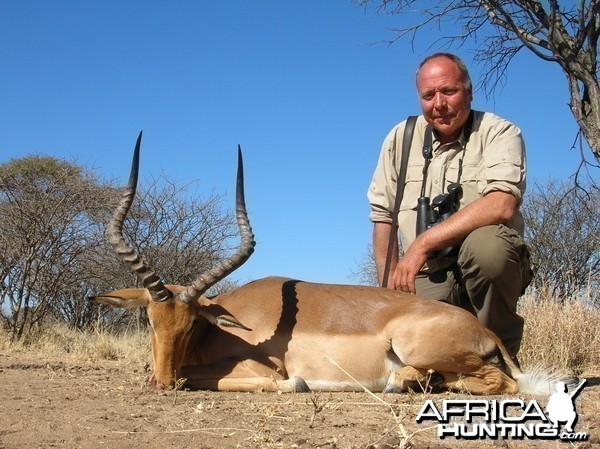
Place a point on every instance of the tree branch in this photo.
(529, 40)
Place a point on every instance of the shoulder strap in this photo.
(409, 129)
(428, 149)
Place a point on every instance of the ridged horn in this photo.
(244, 251)
(114, 233)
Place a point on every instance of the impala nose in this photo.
(154, 384)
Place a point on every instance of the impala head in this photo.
(173, 310)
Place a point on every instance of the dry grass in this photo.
(562, 337)
(93, 345)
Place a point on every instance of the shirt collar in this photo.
(462, 139)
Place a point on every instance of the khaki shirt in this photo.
(494, 159)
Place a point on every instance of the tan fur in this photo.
(333, 337)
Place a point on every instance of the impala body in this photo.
(279, 334)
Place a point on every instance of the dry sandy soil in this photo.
(67, 404)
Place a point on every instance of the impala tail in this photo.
(537, 380)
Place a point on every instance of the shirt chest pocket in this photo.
(469, 175)
(412, 187)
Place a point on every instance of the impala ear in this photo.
(230, 321)
(127, 298)
(218, 315)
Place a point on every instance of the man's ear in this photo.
(127, 298)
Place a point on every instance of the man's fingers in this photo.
(411, 285)
(404, 281)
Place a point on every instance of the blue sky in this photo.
(299, 84)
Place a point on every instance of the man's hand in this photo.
(494, 208)
(403, 277)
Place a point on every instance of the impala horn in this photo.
(245, 250)
(114, 232)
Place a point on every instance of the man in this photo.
(491, 268)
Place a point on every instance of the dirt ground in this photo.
(66, 404)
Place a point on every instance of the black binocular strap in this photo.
(428, 149)
(427, 155)
(406, 143)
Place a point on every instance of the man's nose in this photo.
(440, 100)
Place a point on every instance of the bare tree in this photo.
(46, 227)
(177, 232)
(366, 270)
(566, 35)
(563, 233)
(54, 254)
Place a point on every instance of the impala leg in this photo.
(263, 384)
(244, 376)
(410, 378)
(485, 381)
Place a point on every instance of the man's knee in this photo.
(486, 254)
(437, 285)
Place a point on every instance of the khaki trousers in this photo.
(491, 271)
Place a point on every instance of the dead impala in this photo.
(279, 334)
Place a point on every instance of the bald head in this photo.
(445, 93)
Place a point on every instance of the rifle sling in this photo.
(406, 143)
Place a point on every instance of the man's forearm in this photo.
(494, 208)
(381, 237)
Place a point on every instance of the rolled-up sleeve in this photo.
(382, 189)
(504, 160)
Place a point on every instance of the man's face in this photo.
(445, 100)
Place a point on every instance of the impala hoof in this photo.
(436, 381)
(300, 385)
(392, 389)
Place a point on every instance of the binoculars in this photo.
(441, 208)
